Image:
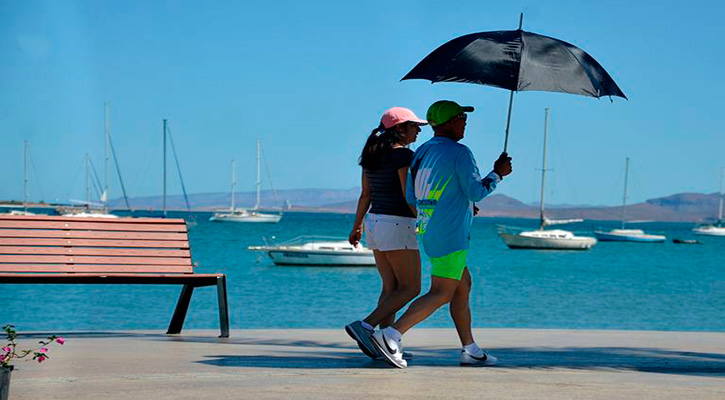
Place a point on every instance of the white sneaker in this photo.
(468, 360)
(389, 349)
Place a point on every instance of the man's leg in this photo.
(441, 292)
(461, 310)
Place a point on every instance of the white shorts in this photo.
(390, 232)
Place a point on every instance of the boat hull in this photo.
(620, 237)
(709, 231)
(254, 218)
(291, 257)
(542, 243)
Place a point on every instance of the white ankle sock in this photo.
(473, 350)
(393, 333)
(367, 326)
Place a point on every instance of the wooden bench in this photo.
(73, 250)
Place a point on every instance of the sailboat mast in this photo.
(624, 197)
(104, 198)
(88, 181)
(26, 195)
(543, 169)
(719, 213)
(164, 169)
(234, 183)
(259, 175)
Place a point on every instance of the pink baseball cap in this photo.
(398, 115)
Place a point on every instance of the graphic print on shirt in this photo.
(428, 190)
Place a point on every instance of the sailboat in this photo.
(716, 229)
(103, 210)
(26, 195)
(627, 235)
(547, 239)
(243, 215)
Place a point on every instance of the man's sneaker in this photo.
(389, 349)
(362, 336)
(468, 360)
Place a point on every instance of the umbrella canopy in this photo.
(517, 61)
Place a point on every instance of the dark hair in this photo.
(378, 146)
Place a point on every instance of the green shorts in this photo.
(450, 266)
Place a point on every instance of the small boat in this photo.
(686, 241)
(316, 250)
(552, 239)
(542, 239)
(253, 215)
(627, 235)
(716, 229)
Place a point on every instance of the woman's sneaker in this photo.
(363, 338)
(468, 360)
(391, 351)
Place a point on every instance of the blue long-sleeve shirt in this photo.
(443, 184)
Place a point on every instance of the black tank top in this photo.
(386, 192)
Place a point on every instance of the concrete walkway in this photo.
(326, 364)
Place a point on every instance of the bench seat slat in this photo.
(97, 269)
(156, 279)
(162, 221)
(85, 251)
(91, 225)
(43, 259)
(177, 244)
(91, 234)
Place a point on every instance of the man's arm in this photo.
(473, 186)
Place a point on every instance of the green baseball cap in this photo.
(442, 111)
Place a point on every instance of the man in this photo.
(443, 184)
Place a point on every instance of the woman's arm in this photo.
(403, 176)
(363, 204)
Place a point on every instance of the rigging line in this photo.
(35, 174)
(97, 183)
(269, 178)
(178, 168)
(75, 179)
(118, 172)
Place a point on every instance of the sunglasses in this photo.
(462, 116)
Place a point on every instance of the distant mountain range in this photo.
(681, 207)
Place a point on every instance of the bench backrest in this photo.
(56, 244)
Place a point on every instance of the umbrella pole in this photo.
(508, 122)
(511, 101)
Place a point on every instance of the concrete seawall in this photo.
(326, 364)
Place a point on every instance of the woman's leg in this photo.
(461, 310)
(404, 265)
(387, 276)
(441, 291)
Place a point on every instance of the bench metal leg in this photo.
(182, 305)
(221, 288)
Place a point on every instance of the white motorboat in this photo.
(551, 239)
(315, 250)
(627, 235)
(716, 229)
(554, 239)
(245, 216)
(241, 215)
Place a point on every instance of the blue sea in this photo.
(614, 286)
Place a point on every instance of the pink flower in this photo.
(60, 341)
(7, 349)
(41, 359)
(43, 350)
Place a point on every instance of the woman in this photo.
(390, 222)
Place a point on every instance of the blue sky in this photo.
(310, 79)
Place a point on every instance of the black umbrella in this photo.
(517, 61)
